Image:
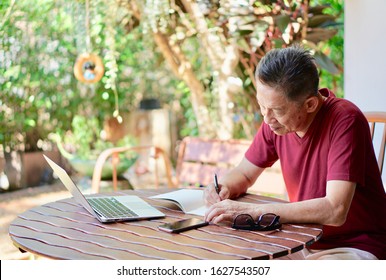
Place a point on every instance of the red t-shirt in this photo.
(337, 146)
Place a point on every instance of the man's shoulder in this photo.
(341, 108)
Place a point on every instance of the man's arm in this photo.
(234, 183)
(329, 210)
(240, 178)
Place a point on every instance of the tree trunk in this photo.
(182, 68)
(224, 59)
(227, 86)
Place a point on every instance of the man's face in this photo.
(282, 115)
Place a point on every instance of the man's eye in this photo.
(279, 112)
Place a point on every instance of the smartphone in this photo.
(183, 225)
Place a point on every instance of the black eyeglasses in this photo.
(268, 221)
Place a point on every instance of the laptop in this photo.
(108, 209)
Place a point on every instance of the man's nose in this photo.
(268, 118)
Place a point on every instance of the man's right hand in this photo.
(211, 196)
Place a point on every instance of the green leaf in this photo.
(244, 32)
(261, 25)
(30, 122)
(278, 43)
(319, 20)
(243, 45)
(282, 22)
(247, 82)
(13, 72)
(332, 24)
(317, 10)
(326, 63)
(320, 34)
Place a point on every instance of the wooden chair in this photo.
(155, 152)
(377, 121)
(199, 159)
(379, 118)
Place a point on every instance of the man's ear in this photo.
(311, 104)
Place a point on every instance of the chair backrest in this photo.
(199, 159)
(377, 121)
(155, 153)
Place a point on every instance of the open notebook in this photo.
(190, 201)
(108, 208)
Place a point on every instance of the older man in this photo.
(327, 160)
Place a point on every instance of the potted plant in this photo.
(22, 145)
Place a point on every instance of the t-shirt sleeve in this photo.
(347, 154)
(262, 152)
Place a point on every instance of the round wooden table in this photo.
(65, 230)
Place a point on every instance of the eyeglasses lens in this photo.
(244, 220)
(267, 220)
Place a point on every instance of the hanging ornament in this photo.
(88, 68)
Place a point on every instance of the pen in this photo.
(215, 181)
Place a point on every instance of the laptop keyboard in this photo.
(109, 207)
